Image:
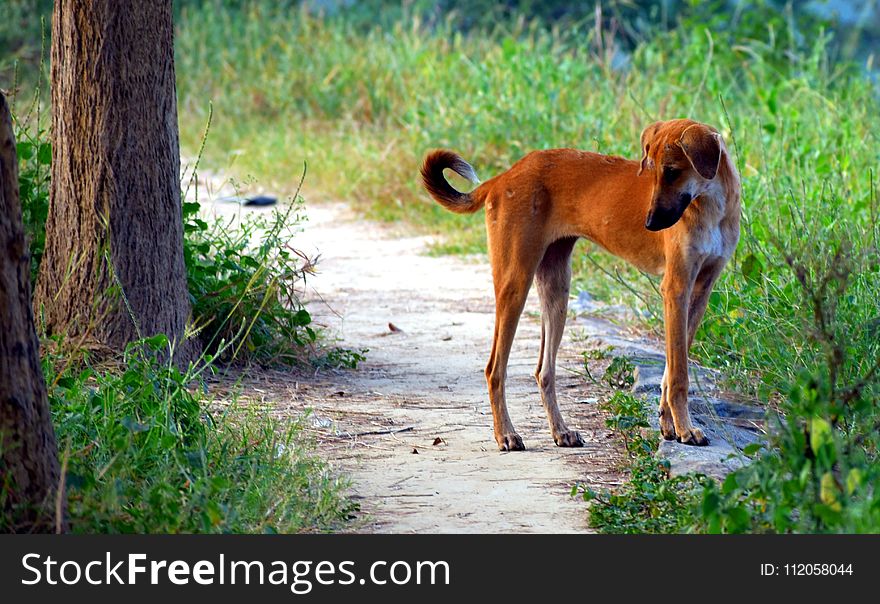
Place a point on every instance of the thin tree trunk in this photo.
(113, 267)
(29, 474)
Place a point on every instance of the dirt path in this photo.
(411, 426)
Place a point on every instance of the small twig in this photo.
(400, 482)
(390, 431)
(372, 433)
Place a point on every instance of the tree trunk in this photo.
(113, 267)
(29, 475)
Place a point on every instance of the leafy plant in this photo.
(35, 156)
(651, 501)
(820, 470)
(594, 354)
(620, 373)
(34, 153)
(145, 453)
(246, 295)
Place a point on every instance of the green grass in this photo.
(145, 451)
(817, 470)
(650, 501)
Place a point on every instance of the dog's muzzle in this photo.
(660, 218)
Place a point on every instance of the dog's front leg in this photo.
(676, 289)
(699, 298)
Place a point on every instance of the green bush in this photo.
(35, 156)
(819, 471)
(244, 297)
(650, 502)
(145, 453)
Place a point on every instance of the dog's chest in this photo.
(708, 242)
(712, 236)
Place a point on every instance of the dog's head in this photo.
(683, 157)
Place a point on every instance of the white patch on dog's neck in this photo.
(711, 241)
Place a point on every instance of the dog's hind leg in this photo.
(513, 273)
(667, 425)
(553, 279)
(510, 300)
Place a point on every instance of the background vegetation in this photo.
(793, 321)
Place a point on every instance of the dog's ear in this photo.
(702, 146)
(645, 142)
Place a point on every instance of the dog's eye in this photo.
(670, 174)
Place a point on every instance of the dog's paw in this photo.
(510, 442)
(695, 437)
(667, 426)
(569, 438)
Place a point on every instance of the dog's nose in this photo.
(659, 219)
(653, 225)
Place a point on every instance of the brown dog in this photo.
(675, 213)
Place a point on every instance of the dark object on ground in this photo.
(256, 200)
(261, 200)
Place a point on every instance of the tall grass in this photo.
(145, 452)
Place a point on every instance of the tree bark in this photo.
(29, 474)
(113, 267)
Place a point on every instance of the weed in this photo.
(146, 453)
(819, 471)
(651, 501)
(594, 354)
(620, 373)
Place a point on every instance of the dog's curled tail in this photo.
(440, 189)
